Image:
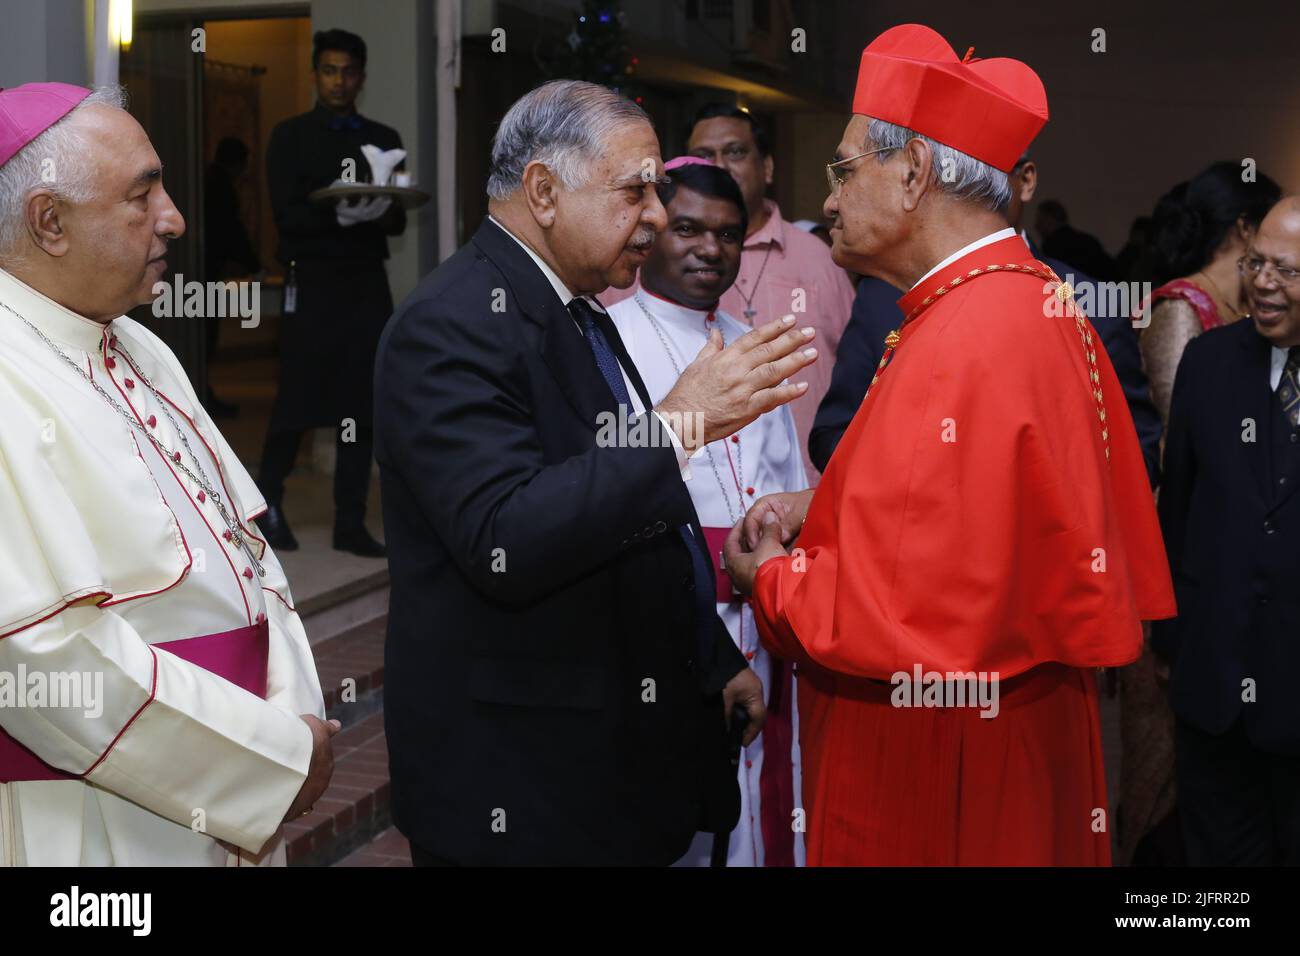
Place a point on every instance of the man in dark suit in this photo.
(1231, 520)
(557, 672)
(875, 315)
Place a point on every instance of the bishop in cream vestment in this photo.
(111, 561)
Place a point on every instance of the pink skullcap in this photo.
(680, 161)
(29, 110)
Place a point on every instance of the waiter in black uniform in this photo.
(336, 291)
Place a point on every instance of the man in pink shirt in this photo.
(782, 268)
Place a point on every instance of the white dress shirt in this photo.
(1277, 362)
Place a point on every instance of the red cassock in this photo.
(986, 511)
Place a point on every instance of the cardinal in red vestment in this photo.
(984, 537)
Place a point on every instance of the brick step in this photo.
(355, 808)
(390, 848)
(351, 671)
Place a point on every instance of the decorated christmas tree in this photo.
(595, 49)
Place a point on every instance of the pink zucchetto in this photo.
(680, 161)
(29, 110)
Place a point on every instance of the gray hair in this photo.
(563, 125)
(955, 173)
(59, 159)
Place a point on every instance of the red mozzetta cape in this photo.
(972, 518)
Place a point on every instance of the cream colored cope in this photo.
(108, 551)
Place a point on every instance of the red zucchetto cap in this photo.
(988, 109)
(29, 110)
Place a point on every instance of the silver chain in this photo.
(200, 479)
(749, 300)
(708, 450)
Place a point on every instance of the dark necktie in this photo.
(1288, 389)
(592, 324)
(351, 122)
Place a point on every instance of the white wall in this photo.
(44, 42)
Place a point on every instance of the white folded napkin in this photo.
(382, 162)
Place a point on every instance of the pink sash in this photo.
(714, 539)
(240, 656)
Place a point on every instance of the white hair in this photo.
(955, 173)
(59, 159)
(562, 124)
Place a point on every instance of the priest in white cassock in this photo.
(158, 699)
(664, 325)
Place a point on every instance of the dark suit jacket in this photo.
(545, 701)
(875, 315)
(1068, 244)
(306, 153)
(1232, 531)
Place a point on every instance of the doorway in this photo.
(208, 89)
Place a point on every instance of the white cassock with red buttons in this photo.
(725, 478)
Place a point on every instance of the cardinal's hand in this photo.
(743, 563)
(790, 508)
